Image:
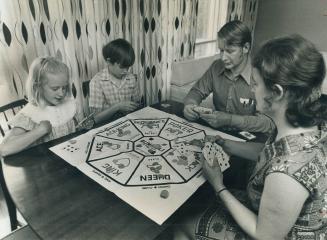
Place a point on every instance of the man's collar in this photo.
(246, 73)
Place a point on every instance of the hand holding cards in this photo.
(211, 151)
(202, 110)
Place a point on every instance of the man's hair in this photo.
(235, 33)
(119, 51)
(37, 77)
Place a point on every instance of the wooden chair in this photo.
(6, 113)
(23, 233)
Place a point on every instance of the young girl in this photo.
(50, 111)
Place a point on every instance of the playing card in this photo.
(222, 156)
(211, 151)
(247, 135)
(208, 153)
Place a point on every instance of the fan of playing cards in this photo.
(211, 151)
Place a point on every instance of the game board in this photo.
(147, 158)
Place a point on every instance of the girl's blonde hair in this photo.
(37, 75)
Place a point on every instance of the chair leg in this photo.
(10, 203)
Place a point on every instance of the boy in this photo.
(114, 90)
(228, 78)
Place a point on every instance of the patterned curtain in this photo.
(244, 10)
(161, 31)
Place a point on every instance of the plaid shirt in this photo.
(106, 90)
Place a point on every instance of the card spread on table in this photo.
(211, 151)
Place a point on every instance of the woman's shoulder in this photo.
(309, 168)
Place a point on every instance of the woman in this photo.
(287, 192)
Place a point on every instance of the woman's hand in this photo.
(213, 174)
(189, 112)
(215, 139)
(217, 119)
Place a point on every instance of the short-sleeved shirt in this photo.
(304, 158)
(231, 95)
(106, 90)
(60, 116)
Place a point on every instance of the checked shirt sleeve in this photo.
(96, 99)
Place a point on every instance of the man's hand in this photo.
(127, 106)
(217, 119)
(189, 112)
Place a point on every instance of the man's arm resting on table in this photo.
(256, 123)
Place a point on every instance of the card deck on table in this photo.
(247, 135)
(211, 151)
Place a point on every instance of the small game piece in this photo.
(164, 194)
(203, 110)
(72, 141)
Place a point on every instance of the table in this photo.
(60, 202)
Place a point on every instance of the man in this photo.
(228, 78)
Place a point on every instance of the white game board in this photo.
(145, 158)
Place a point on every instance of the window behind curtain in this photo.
(212, 15)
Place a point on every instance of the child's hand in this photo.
(45, 126)
(189, 112)
(127, 106)
(86, 124)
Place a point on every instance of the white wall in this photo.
(281, 17)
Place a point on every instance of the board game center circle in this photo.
(146, 152)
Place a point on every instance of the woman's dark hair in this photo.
(119, 51)
(295, 64)
(235, 33)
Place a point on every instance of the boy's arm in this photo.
(96, 99)
(136, 96)
(105, 115)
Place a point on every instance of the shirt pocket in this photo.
(246, 105)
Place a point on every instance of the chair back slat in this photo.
(8, 111)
